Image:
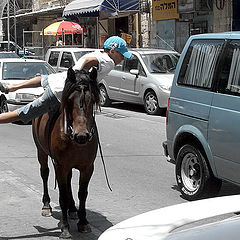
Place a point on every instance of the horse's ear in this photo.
(71, 75)
(93, 73)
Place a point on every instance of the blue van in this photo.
(203, 118)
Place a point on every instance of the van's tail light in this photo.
(167, 111)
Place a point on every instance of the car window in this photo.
(229, 73)
(119, 66)
(80, 54)
(199, 64)
(160, 62)
(53, 58)
(67, 60)
(24, 70)
(131, 63)
(8, 55)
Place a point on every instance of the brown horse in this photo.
(70, 138)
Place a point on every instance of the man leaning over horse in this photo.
(114, 52)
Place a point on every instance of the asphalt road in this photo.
(139, 175)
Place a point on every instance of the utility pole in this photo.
(15, 25)
(8, 24)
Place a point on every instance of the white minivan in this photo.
(203, 118)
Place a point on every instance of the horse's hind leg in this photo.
(85, 177)
(72, 210)
(44, 170)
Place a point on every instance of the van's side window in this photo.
(200, 63)
(229, 76)
(67, 60)
(53, 58)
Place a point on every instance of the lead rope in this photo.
(101, 153)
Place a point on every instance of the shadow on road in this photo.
(97, 222)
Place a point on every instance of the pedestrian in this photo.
(59, 41)
(115, 49)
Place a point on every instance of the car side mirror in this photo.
(134, 72)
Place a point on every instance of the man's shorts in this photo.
(47, 102)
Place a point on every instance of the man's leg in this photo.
(9, 117)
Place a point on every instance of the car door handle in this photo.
(123, 78)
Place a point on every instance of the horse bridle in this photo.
(68, 129)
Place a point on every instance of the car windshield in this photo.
(24, 70)
(80, 54)
(160, 62)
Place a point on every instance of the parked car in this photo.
(63, 58)
(204, 114)
(145, 78)
(8, 55)
(13, 47)
(13, 70)
(179, 222)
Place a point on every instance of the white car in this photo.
(63, 58)
(171, 223)
(146, 79)
(14, 70)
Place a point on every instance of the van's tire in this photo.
(194, 178)
(3, 105)
(104, 99)
(151, 105)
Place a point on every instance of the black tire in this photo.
(3, 105)
(104, 99)
(151, 104)
(193, 175)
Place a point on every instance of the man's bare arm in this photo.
(90, 62)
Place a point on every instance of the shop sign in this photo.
(164, 9)
(126, 37)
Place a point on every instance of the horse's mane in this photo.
(77, 78)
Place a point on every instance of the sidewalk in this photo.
(20, 215)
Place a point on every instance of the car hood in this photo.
(158, 224)
(164, 79)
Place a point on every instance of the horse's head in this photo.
(80, 94)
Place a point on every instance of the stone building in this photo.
(156, 23)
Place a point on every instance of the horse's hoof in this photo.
(65, 235)
(84, 228)
(46, 212)
(73, 215)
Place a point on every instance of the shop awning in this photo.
(91, 7)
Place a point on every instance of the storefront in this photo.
(105, 18)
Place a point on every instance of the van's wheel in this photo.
(151, 104)
(104, 99)
(193, 175)
(3, 105)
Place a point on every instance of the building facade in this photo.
(157, 23)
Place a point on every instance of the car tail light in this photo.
(167, 111)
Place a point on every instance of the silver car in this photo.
(146, 79)
(17, 70)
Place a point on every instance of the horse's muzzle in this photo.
(81, 138)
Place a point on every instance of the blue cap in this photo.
(117, 44)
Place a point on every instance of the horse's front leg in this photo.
(85, 177)
(63, 201)
(72, 211)
(44, 170)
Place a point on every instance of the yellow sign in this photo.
(126, 37)
(164, 9)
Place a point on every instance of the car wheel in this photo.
(151, 104)
(104, 99)
(193, 175)
(3, 105)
